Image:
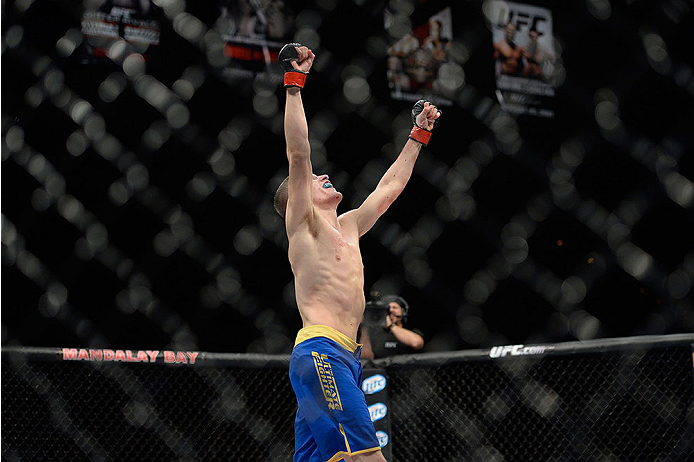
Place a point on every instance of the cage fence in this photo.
(624, 400)
(146, 164)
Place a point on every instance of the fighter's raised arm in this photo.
(424, 118)
(296, 61)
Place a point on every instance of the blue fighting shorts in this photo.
(332, 420)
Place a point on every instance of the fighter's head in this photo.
(281, 197)
(435, 29)
(533, 35)
(510, 31)
(322, 190)
(324, 193)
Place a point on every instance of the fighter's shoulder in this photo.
(349, 220)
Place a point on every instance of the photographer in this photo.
(383, 333)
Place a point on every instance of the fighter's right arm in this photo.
(300, 203)
(297, 60)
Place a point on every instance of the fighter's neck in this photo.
(330, 216)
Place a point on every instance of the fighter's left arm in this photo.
(398, 174)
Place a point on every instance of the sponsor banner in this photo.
(524, 57)
(109, 22)
(130, 356)
(419, 63)
(254, 31)
(378, 411)
(518, 350)
(375, 388)
(374, 384)
(383, 438)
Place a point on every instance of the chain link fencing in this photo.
(112, 411)
(615, 400)
(632, 404)
(138, 185)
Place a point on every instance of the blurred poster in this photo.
(417, 61)
(254, 31)
(523, 58)
(107, 22)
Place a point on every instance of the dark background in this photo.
(123, 228)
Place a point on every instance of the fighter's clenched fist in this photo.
(296, 60)
(425, 117)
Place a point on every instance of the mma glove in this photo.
(419, 134)
(292, 77)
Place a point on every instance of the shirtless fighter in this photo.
(507, 54)
(332, 421)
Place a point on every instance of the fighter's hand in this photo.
(296, 60)
(428, 117)
(305, 59)
(425, 117)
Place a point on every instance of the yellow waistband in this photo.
(327, 332)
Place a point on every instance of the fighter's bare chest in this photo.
(340, 249)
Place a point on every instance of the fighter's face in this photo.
(323, 188)
(533, 36)
(510, 31)
(435, 30)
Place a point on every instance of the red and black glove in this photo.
(292, 77)
(419, 134)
